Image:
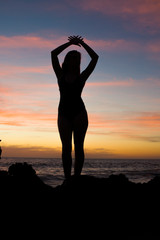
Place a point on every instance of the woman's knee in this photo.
(79, 149)
(66, 149)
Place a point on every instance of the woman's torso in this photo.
(71, 102)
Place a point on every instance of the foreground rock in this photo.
(111, 206)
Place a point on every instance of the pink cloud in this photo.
(148, 82)
(18, 117)
(11, 70)
(144, 120)
(115, 7)
(30, 41)
(153, 47)
(35, 42)
(128, 83)
(142, 14)
(4, 90)
(122, 45)
(115, 45)
(20, 106)
(149, 120)
(126, 122)
(11, 123)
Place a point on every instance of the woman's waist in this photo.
(70, 97)
(71, 104)
(71, 101)
(71, 107)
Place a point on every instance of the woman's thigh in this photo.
(65, 130)
(80, 126)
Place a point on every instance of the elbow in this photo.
(96, 57)
(53, 53)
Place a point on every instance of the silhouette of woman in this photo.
(0, 150)
(72, 115)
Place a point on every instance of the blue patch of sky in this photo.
(18, 19)
(125, 65)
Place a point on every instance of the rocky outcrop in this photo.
(111, 206)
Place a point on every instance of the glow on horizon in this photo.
(122, 96)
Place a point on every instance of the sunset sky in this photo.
(122, 96)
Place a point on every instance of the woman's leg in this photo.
(65, 131)
(79, 127)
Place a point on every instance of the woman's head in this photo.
(72, 62)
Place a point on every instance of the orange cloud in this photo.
(4, 90)
(133, 136)
(125, 123)
(13, 117)
(141, 119)
(30, 151)
(149, 120)
(12, 70)
(27, 115)
(11, 123)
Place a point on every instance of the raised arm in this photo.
(94, 57)
(55, 61)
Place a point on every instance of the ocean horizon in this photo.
(50, 170)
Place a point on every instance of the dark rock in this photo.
(111, 206)
(3, 173)
(22, 170)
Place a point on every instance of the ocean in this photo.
(51, 172)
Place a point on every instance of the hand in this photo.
(76, 40)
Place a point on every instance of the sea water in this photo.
(50, 170)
